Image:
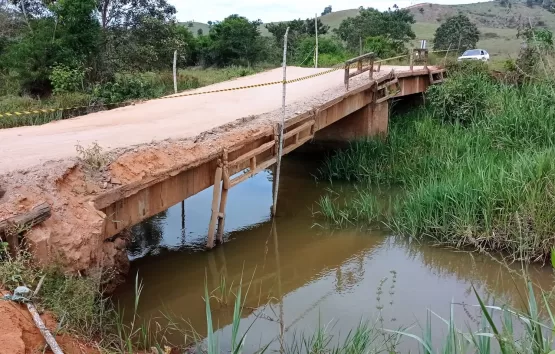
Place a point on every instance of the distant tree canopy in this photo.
(456, 32)
(297, 28)
(94, 38)
(327, 10)
(298, 31)
(235, 40)
(392, 24)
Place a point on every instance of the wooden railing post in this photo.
(346, 79)
(223, 201)
(215, 205)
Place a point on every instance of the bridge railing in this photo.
(419, 56)
(368, 58)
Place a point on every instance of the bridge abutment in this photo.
(371, 120)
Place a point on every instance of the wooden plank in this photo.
(295, 146)
(215, 207)
(127, 190)
(360, 57)
(243, 143)
(252, 153)
(28, 219)
(249, 174)
(21, 223)
(298, 129)
(361, 71)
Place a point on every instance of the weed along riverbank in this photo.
(473, 168)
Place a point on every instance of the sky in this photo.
(280, 10)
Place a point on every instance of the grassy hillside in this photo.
(195, 26)
(497, 24)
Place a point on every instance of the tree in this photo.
(298, 30)
(394, 24)
(421, 10)
(200, 32)
(456, 32)
(327, 10)
(128, 13)
(235, 40)
(150, 45)
(68, 34)
(383, 47)
(11, 25)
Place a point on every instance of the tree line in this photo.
(49, 45)
(52, 46)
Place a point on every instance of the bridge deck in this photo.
(176, 118)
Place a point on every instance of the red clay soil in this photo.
(72, 235)
(19, 335)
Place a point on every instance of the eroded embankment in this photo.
(73, 235)
(19, 335)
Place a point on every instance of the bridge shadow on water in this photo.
(299, 273)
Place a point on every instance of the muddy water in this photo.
(300, 273)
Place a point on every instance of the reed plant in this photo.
(483, 177)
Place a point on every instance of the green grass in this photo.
(486, 180)
(75, 301)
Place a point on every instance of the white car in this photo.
(475, 54)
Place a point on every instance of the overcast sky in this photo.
(279, 10)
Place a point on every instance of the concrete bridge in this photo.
(218, 139)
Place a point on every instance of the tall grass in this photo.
(500, 330)
(80, 310)
(480, 177)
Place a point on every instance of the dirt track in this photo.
(176, 118)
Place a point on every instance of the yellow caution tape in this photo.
(54, 110)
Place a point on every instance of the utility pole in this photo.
(316, 26)
(360, 45)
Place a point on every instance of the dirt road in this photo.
(175, 118)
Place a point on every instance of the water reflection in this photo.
(298, 275)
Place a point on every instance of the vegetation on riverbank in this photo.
(82, 311)
(475, 165)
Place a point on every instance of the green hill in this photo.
(195, 26)
(498, 24)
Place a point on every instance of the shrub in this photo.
(330, 52)
(66, 79)
(454, 67)
(461, 99)
(126, 87)
(384, 47)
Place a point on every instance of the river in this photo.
(301, 273)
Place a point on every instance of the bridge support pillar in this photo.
(371, 120)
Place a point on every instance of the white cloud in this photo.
(279, 10)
